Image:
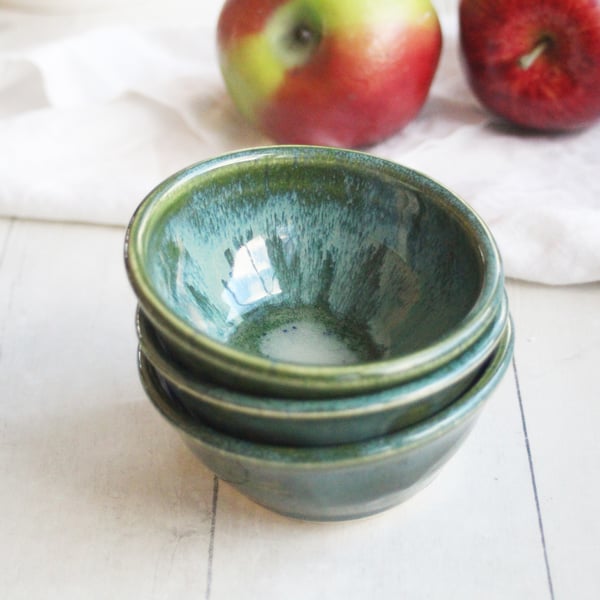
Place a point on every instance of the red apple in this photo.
(329, 72)
(534, 62)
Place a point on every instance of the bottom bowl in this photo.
(335, 482)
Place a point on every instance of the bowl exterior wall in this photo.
(332, 494)
(329, 430)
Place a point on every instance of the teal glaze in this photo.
(337, 482)
(324, 421)
(219, 247)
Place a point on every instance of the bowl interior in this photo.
(308, 257)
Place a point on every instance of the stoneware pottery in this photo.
(334, 482)
(311, 271)
(322, 421)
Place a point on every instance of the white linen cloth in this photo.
(97, 108)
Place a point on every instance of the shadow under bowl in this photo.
(311, 271)
(303, 421)
(335, 482)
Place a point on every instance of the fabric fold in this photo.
(92, 118)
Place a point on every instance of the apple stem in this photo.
(528, 59)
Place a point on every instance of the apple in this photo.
(535, 63)
(328, 72)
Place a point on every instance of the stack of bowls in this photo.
(321, 326)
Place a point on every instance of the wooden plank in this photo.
(558, 353)
(100, 499)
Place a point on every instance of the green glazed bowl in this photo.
(321, 421)
(335, 482)
(311, 271)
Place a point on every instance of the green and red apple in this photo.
(535, 63)
(329, 72)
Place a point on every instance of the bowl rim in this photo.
(323, 457)
(405, 394)
(222, 356)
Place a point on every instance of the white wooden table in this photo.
(100, 499)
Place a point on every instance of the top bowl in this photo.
(311, 271)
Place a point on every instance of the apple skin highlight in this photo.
(365, 73)
(535, 63)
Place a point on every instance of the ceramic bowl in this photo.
(322, 421)
(335, 482)
(311, 271)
